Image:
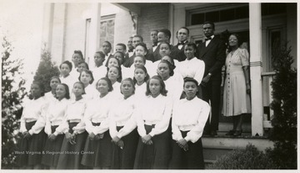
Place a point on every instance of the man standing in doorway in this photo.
(212, 52)
(182, 36)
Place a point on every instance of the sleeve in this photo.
(41, 121)
(194, 134)
(64, 126)
(22, 125)
(129, 127)
(48, 126)
(104, 126)
(87, 118)
(200, 71)
(80, 127)
(140, 123)
(244, 57)
(162, 126)
(176, 134)
(220, 57)
(112, 125)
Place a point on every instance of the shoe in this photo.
(237, 133)
(230, 133)
(213, 133)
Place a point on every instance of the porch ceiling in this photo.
(134, 7)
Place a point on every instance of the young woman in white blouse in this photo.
(192, 67)
(54, 81)
(140, 79)
(189, 118)
(32, 126)
(174, 85)
(54, 117)
(87, 78)
(96, 120)
(122, 128)
(74, 129)
(153, 117)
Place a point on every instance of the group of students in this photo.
(143, 116)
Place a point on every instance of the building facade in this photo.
(84, 26)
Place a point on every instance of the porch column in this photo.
(255, 23)
(94, 34)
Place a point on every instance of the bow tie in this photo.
(207, 38)
(154, 45)
(182, 43)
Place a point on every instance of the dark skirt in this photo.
(155, 156)
(98, 152)
(190, 159)
(30, 150)
(124, 158)
(52, 149)
(71, 155)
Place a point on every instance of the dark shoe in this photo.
(213, 133)
(230, 133)
(237, 133)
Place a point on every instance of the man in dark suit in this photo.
(212, 52)
(154, 46)
(182, 36)
(164, 35)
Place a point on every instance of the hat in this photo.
(189, 79)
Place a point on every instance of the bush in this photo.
(284, 104)
(12, 94)
(46, 70)
(248, 158)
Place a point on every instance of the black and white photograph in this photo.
(149, 85)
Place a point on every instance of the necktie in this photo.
(207, 38)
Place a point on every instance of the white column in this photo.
(58, 32)
(94, 35)
(255, 23)
(47, 26)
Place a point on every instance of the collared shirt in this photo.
(97, 111)
(75, 111)
(90, 91)
(34, 110)
(55, 113)
(123, 116)
(99, 72)
(180, 45)
(154, 111)
(208, 41)
(193, 68)
(189, 115)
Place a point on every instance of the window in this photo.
(239, 11)
(107, 29)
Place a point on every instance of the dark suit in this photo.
(214, 58)
(155, 56)
(180, 51)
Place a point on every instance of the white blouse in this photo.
(154, 111)
(49, 97)
(140, 90)
(99, 73)
(193, 68)
(34, 110)
(98, 112)
(69, 80)
(74, 112)
(189, 115)
(90, 92)
(124, 116)
(174, 85)
(55, 114)
(116, 92)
